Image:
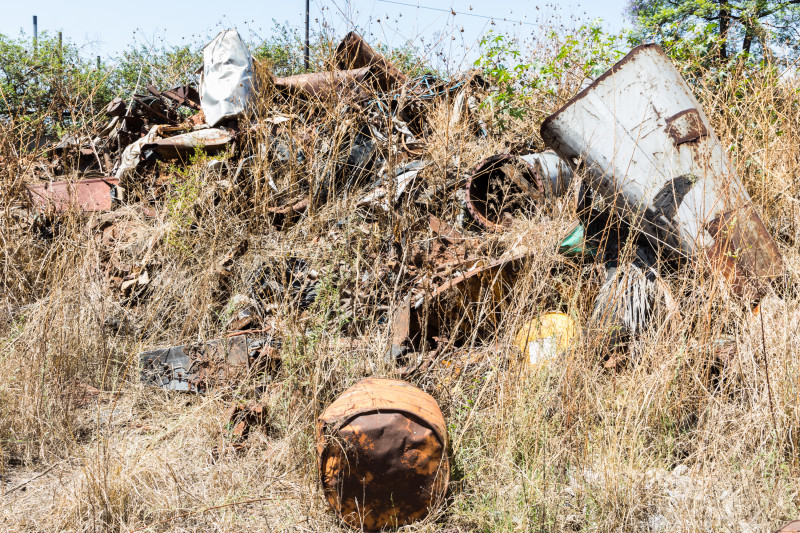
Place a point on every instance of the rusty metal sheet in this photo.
(447, 233)
(791, 527)
(327, 85)
(88, 195)
(181, 95)
(455, 300)
(499, 186)
(354, 52)
(744, 252)
(382, 452)
(651, 153)
(211, 140)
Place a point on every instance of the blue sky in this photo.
(102, 28)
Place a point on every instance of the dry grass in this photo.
(668, 443)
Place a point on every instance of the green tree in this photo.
(46, 89)
(752, 28)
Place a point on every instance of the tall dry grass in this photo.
(672, 441)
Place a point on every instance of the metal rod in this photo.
(35, 33)
(60, 48)
(98, 62)
(305, 49)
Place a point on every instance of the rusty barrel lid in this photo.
(382, 451)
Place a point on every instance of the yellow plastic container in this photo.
(546, 336)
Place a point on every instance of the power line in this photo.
(456, 12)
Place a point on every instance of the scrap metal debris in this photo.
(650, 177)
(197, 367)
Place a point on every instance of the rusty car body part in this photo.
(87, 195)
(354, 53)
(455, 302)
(210, 140)
(551, 171)
(791, 527)
(382, 452)
(743, 251)
(327, 85)
(499, 186)
(196, 367)
(651, 153)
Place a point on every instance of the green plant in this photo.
(499, 61)
(580, 56)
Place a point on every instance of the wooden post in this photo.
(305, 49)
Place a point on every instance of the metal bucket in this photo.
(650, 151)
(382, 451)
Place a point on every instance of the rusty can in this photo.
(382, 451)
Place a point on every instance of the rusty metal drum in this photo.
(382, 452)
(499, 187)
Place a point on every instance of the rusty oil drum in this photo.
(382, 452)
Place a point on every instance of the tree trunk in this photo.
(748, 39)
(724, 25)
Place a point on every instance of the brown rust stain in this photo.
(686, 126)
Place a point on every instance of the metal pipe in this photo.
(35, 33)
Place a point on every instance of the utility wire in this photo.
(456, 12)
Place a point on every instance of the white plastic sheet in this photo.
(133, 152)
(226, 88)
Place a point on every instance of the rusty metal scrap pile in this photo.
(655, 181)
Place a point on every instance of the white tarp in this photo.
(226, 87)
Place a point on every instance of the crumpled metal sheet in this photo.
(226, 87)
(196, 367)
(354, 52)
(382, 451)
(133, 152)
